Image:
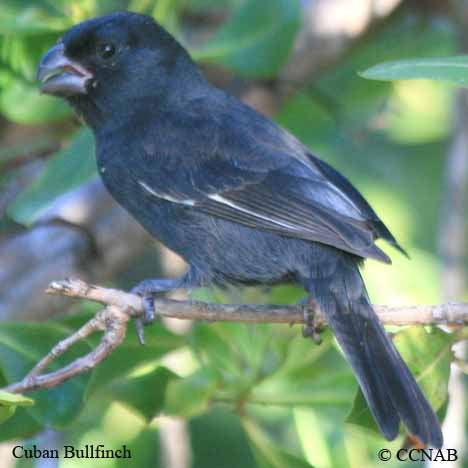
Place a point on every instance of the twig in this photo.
(111, 320)
(443, 314)
(122, 306)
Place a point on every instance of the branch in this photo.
(122, 306)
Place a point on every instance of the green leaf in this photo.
(256, 40)
(383, 171)
(360, 414)
(191, 396)
(167, 13)
(333, 390)
(21, 102)
(9, 402)
(6, 412)
(302, 382)
(428, 355)
(22, 345)
(220, 431)
(267, 454)
(214, 351)
(14, 399)
(32, 18)
(234, 351)
(131, 355)
(146, 393)
(65, 171)
(21, 426)
(452, 70)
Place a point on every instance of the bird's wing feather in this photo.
(263, 178)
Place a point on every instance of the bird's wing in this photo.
(261, 177)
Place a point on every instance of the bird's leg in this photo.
(147, 289)
(311, 329)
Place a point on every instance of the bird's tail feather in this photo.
(388, 386)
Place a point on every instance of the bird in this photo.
(237, 196)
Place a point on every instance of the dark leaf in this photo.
(65, 171)
(146, 393)
(21, 347)
(268, 454)
(191, 396)
(257, 39)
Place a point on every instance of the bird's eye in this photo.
(106, 51)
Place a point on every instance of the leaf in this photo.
(6, 412)
(310, 377)
(145, 452)
(345, 94)
(234, 350)
(219, 431)
(9, 402)
(256, 40)
(21, 102)
(14, 399)
(191, 396)
(267, 454)
(146, 393)
(360, 414)
(383, 171)
(333, 390)
(131, 355)
(20, 55)
(216, 352)
(324, 439)
(452, 70)
(428, 355)
(21, 426)
(20, 18)
(237, 352)
(167, 14)
(22, 345)
(63, 172)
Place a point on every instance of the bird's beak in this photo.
(61, 76)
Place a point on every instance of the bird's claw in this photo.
(139, 330)
(147, 318)
(148, 310)
(311, 329)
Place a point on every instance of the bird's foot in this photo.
(147, 289)
(311, 328)
(148, 317)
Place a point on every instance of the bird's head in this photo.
(107, 65)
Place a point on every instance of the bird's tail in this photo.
(388, 386)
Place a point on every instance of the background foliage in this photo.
(253, 396)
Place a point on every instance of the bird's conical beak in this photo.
(61, 76)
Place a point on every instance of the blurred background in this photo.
(228, 395)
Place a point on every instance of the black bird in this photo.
(237, 196)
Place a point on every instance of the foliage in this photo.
(64, 171)
(446, 69)
(9, 402)
(261, 32)
(259, 395)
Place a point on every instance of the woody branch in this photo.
(121, 306)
